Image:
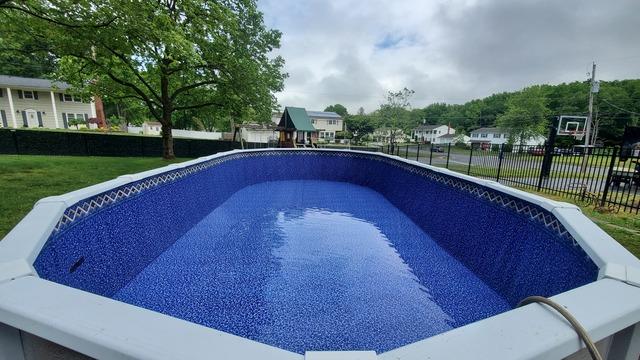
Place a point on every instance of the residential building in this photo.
(151, 128)
(497, 136)
(452, 139)
(327, 123)
(430, 133)
(40, 103)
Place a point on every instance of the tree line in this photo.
(523, 113)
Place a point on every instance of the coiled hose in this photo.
(582, 333)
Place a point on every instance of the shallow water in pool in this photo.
(313, 265)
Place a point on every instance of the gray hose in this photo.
(582, 333)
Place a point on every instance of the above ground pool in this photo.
(308, 252)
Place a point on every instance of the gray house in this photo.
(33, 103)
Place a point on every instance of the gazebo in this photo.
(295, 128)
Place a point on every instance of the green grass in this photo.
(25, 179)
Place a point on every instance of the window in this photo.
(474, 135)
(1, 93)
(70, 98)
(313, 121)
(484, 135)
(496, 136)
(28, 94)
(332, 122)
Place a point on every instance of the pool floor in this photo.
(313, 265)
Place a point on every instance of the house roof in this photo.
(488, 130)
(427, 127)
(296, 118)
(323, 114)
(23, 82)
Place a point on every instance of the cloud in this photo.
(351, 52)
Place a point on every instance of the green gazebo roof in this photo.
(296, 118)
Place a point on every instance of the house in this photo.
(259, 133)
(151, 128)
(327, 123)
(40, 103)
(430, 133)
(383, 135)
(452, 139)
(496, 136)
(295, 128)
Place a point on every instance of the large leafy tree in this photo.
(338, 109)
(394, 110)
(526, 114)
(170, 55)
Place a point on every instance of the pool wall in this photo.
(519, 249)
(551, 247)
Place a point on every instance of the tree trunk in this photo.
(167, 110)
(167, 140)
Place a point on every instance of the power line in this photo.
(619, 108)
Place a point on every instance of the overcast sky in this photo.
(353, 51)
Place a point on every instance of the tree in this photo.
(397, 103)
(360, 126)
(338, 109)
(170, 55)
(526, 114)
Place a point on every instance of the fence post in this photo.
(418, 153)
(470, 157)
(448, 155)
(605, 193)
(406, 153)
(500, 156)
(430, 153)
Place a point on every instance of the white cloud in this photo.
(351, 52)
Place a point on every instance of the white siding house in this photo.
(497, 136)
(431, 133)
(327, 123)
(33, 103)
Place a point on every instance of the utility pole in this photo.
(592, 88)
(587, 132)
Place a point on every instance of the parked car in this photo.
(536, 151)
(437, 149)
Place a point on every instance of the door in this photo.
(32, 118)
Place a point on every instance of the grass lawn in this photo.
(25, 179)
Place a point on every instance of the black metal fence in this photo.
(597, 176)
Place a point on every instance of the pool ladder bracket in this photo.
(627, 274)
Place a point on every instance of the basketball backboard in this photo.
(572, 125)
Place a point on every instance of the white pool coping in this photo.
(108, 329)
